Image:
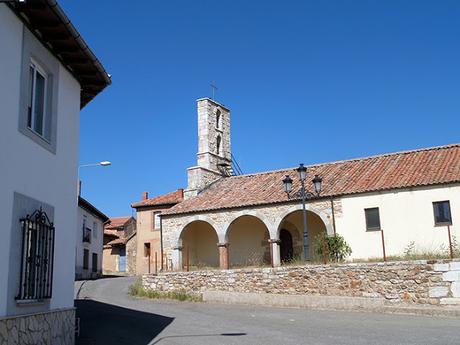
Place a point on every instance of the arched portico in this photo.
(197, 245)
(248, 241)
(290, 235)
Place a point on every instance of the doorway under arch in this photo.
(286, 246)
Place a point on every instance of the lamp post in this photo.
(103, 164)
(304, 195)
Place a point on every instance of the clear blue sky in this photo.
(307, 81)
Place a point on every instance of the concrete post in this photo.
(223, 256)
(275, 252)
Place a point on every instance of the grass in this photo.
(137, 290)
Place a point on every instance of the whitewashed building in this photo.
(89, 241)
(403, 201)
(47, 74)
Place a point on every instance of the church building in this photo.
(387, 202)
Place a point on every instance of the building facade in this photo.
(401, 201)
(148, 217)
(41, 93)
(120, 244)
(89, 241)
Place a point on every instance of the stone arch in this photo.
(252, 213)
(293, 208)
(292, 221)
(197, 244)
(248, 241)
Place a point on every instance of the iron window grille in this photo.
(372, 219)
(36, 281)
(442, 215)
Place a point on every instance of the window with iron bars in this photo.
(36, 281)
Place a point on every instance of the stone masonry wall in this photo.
(51, 328)
(416, 282)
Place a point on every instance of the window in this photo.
(218, 118)
(372, 219)
(218, 140)
(156, 221)
(94, 263)
(442, 214)
(85, 259)
(94, 229)
(36, 257)
(36, 110)
(146, 249)
(86, 232)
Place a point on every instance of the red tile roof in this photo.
(116, 222)
(423, 167)
(165, 199)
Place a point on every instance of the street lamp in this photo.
(304, 194)
(103, 164)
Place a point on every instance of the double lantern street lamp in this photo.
(304, 195)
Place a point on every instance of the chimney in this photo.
(181, 192)
(145, 195)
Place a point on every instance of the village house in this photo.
(148, 218)
(399, 199)
(120, 245)
(48, 74)
(89, 239)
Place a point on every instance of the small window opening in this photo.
(219, 139)
(218, 118)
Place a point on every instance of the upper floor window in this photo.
(36, 109)
(218, 113)
(372, 219)
(218, 142)
(156, 220)
(442, 215)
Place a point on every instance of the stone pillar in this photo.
(275, 252)
(224, 263)
(177, 259)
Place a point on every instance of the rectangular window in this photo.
(36, 110)
(36, 257)
(94, 266)
(372, 219)
(156, 221)
(442, 214)
(94, 229)
(146, 249)
(85, 259)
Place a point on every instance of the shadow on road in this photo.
(102, 323)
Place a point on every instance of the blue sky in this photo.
(307, 81)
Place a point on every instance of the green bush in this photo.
(337, 248)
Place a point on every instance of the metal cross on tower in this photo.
(214, 89)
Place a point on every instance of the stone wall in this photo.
(416, 282)
(51, 328)
(131, 253)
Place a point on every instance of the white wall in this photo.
(29, 169)
(405, 216)
(95, 246)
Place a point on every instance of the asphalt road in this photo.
(109, 316)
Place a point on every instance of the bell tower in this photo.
(214, 157)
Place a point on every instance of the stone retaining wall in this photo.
(416, 282)
(56, 327)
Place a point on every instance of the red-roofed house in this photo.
(119, 252)
(148, 212)
(225, 220)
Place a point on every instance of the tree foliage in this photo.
(337, 248)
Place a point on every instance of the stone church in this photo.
(404, 199)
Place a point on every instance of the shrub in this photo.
(336, 247)
(137, 290)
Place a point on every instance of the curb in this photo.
(362, 304)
